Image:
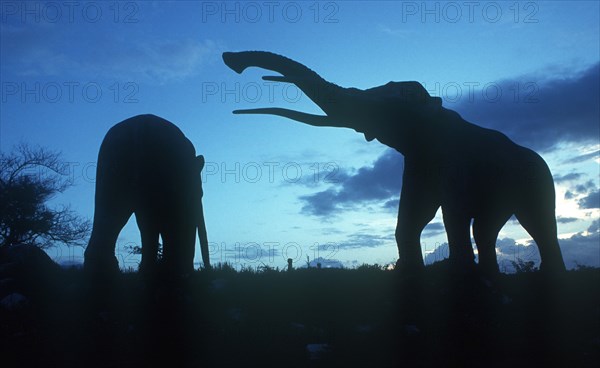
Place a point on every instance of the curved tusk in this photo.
(311, 119)
(277, 78)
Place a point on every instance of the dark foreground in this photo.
(315, 318)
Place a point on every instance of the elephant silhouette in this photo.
(477, 176)
(147, 166)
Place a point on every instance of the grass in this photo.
(364, 317)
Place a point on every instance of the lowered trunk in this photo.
(203, 236)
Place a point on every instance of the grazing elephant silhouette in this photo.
(148, 167)
(474, 174)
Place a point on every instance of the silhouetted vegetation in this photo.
(521, 266)
(29, 178)
(364, 317)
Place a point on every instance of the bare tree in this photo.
(29, 178)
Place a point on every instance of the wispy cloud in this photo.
(44, 51)
(567, 177)
(358, 240)
(363, 240)
(395, 32)
(160, 60)
(566, 220)
(392, 204)
(583, 158)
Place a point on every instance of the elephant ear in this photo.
(199, 164)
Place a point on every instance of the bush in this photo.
(522, 266)
(29, 178)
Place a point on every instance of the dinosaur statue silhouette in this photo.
(475, 175)
(148, 167)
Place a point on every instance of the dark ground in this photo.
(311, 317)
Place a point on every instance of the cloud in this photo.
(568, 177)
(507, 250)
(566, 220)
(553, 110)
(357, 240)
(365, 241)
(592, 200)
(50, 50)
(160, 60)
(321, 204)
(433, 229)
(392, 204)
(380, 182)
(594, 227)
(395, 32)
(586, 194)
(440, 253)
(582, 248)
(582, 158)
(580, 189)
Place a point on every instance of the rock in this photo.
(30, 270)
(17, 260)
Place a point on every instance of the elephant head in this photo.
(375, 112)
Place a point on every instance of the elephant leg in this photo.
(485, 232)
(536, 210)
(111, 213)
(149, 232)
(540, 223)
(418, 206)
(179, 241)
(458, 230)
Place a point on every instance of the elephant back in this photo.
(148, 149)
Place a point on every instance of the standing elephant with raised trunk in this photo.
(477, 176)
(147, 166)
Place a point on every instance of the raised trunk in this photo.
(335, 101)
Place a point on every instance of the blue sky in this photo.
(274, 188)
